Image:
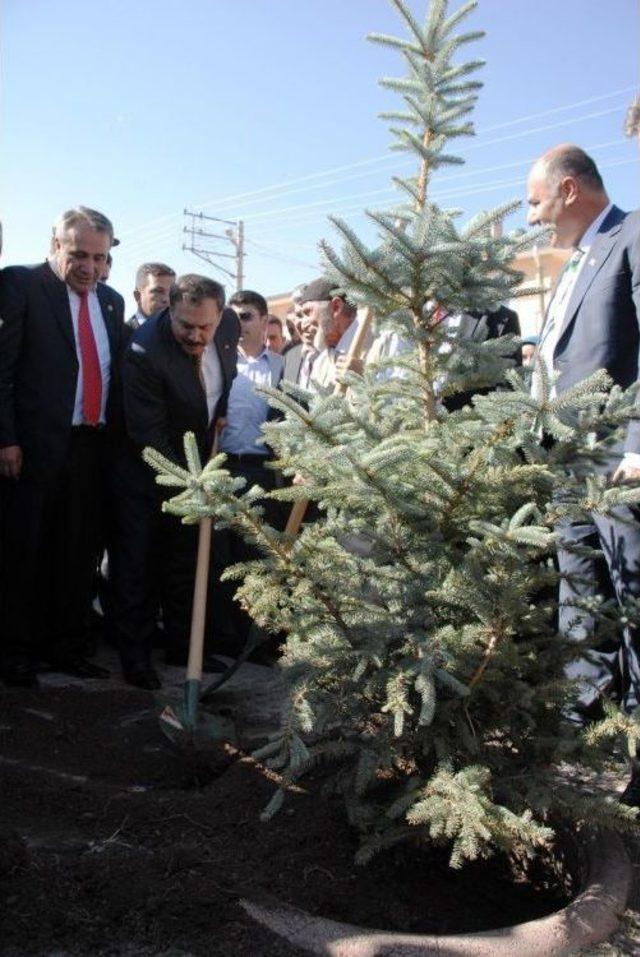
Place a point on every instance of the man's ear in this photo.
(136, 296)
(569, 190)
(337, 305)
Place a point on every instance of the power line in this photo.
(268, 214)
(264, 251)
(163, 234)
(233, 235)
(223, 201)
(476, 189)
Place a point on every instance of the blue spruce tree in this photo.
(423, 667)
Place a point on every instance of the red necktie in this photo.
(91, 375)
(439, 313)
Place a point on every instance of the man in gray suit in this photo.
(593, 323)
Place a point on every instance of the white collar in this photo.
(347, 337)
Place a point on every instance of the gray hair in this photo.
(83, 216)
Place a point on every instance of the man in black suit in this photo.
(476, 327)
(593, 322)
(177, 372)
(153, 285)
(61, 333)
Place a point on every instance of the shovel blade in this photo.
(210, 728)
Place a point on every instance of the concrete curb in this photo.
(589, 919)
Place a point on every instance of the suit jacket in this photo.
(480, 327)
(39, 364)
(600, 329)
(292, 363)
(163, 396)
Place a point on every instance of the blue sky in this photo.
(266, 110)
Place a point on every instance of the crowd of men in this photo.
(83, 391)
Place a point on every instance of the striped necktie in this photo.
(555, 315)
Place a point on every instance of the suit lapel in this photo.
(293, 363)
(468, 326)
(56, 292)
(596, 257)
(224, 352)
(106, 307)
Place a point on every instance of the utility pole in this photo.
(201, 240)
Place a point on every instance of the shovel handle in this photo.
(199, 612)
(199, 609)
(296, 516)
(357, 344)
(298, 509)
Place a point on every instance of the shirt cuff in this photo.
(632, 459)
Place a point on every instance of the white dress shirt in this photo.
(247, 410)
(213, 378)
(323, 373)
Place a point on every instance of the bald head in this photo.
(565, 190)
(569, 160)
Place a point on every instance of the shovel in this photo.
(299, 508)
(181, 723)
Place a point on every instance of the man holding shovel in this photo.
(177, 373)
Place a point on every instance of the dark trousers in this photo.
(151, 564)
(51, 531)
(229, 622)
(614, 666)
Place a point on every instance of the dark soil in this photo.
(113, 843)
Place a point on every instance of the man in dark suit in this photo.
(177, 372)
(153, 285)
(478, 327)
(61, 333)
(593, 322)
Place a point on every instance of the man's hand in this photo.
(626, 473)
(10, 461)
(342, 366)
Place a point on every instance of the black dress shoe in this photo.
(175, 659)
(631, 794)
(145, 678)
(213, 666)
(20, 674)
(78, 667)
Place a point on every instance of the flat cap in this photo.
(320, 290)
